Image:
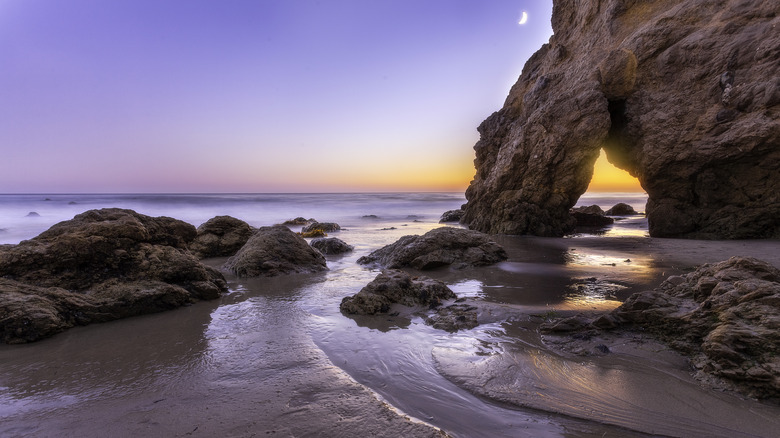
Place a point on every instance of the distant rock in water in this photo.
(326, 227)
(221, 236)
(591, 216)
(33, 214)
(298, 221)
(394, 286)
(275, 251)
(370, 216)
(451, 216)
(100, 266)
(331, 245)
(621, 209)
(438, 247)
(681, 93)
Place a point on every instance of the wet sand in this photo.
(274, 357)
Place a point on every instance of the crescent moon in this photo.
(524, 18)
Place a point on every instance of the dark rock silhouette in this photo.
(451, 216)
(100, 266)
(621, 209)
(683, 94)
(591, 216)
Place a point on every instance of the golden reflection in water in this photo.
(609, 272)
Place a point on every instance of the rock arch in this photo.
(683, 94)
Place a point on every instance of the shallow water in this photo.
(260, 359)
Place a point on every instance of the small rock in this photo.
(331, 245)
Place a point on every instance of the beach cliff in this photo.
(683, 94)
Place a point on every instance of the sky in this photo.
(253, 95)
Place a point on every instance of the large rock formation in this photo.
(683, 94)
(101, 265)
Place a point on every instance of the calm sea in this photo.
(25, 216)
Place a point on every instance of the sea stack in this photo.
(683, 94)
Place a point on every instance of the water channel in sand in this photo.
(275, 356)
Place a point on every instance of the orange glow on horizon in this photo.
(608, 178)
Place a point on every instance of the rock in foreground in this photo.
(725, 316)
(221, 236)
(100, 266)
(394, 286)
(275, 251)
(683, 94)
(438, 247)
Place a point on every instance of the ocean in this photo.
(23, 216)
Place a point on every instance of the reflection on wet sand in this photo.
(637, 395)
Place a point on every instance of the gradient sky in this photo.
(253, 95)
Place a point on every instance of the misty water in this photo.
(147, 371)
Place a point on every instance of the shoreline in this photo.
(275, 355)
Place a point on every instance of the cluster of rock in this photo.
(394, 286)
(726, 316)
(100, 266)
(438, 247)
(682, 95)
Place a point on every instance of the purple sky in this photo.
(253, 95)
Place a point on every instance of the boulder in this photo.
(220, 236)
(101, 265)
(621, 209)
(326, 227)
(725, 315)
(451, 216)
(331, 245)
(454, 318)
(274, 251)
(438, 247)
(683, 94)
(591, 216)
(394, 286)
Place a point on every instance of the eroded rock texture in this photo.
(683, 94)
(726, 315)
(100, 266)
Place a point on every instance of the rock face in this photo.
(394, 286)
(274, 251)
(99, 266)
(331, 245)
(438, 247)
(683, 94)
(220, 236)
(726, 315)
